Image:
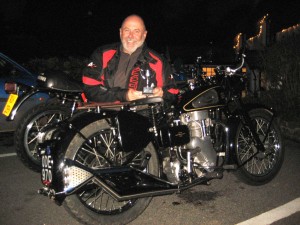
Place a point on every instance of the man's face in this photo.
(132, 34)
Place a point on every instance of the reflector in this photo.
(10, 88)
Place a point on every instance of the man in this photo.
(122, 71)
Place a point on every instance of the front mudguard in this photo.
(233, 122)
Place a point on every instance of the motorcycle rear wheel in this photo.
(94, 205)
(263, 167)
(26, 133)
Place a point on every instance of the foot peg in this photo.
(145, 160)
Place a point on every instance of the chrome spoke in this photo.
(89, 154)
(32, 131)
(263, 164)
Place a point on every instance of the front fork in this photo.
(259, 144)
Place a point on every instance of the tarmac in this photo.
(290, 130)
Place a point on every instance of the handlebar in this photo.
(229, 71)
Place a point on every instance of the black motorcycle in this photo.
(106, 163)
(65, 95)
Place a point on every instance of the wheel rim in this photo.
(97, 152)
(34, 127)
(262, 163)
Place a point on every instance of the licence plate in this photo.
(47, 166)
(9, 104)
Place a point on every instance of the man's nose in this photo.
(130, 34)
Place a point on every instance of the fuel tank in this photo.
(202, 98)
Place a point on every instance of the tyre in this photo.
(264, 166)
(95, 206)
(26, 133)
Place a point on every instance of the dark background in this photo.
(44, 28)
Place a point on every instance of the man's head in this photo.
(132, 33)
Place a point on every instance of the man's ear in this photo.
(145, 34)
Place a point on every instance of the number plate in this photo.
(47, 167)
(9, 104)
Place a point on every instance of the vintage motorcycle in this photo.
(106, 163)
(63, 97)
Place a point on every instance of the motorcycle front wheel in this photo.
(26, 143)
(93, 205)
(258, 168)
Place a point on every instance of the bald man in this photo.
(121, 71)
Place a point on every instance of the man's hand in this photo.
(157, 92)
(135, 95)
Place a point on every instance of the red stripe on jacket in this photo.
(157, 67)
(174, 91)
(107, 56)
(91, 81)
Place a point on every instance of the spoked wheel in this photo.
(27, 132)
(263, 166)
(94, 205)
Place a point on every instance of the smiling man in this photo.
(132, 34)
(122, 71)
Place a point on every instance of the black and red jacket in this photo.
(98, 75)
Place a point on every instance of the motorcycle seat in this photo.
(146, 101)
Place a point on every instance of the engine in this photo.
(198, 153)
(200, 142)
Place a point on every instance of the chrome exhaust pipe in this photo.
(124, 183)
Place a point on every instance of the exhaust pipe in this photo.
(124, 183)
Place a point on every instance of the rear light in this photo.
(11, 88)
(41, 99)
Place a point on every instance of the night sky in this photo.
(40, 28)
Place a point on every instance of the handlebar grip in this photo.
(231, 72)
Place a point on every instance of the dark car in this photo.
(12, 71)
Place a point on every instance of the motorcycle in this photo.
(64, 94)
(107, 163)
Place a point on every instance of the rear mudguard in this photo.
(30, 92)
(52, 86)
(133, 129)
(52, 150)
(233, 123)
(133, 135)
